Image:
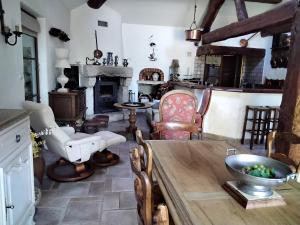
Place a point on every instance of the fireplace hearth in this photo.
(106, 94)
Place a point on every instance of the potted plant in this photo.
(38, 160)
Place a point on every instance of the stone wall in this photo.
(252, 70)
(199, 67)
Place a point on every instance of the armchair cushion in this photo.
(110, 138)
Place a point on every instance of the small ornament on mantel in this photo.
(125, 62)
(116, 60)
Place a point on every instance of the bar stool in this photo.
(258, 124)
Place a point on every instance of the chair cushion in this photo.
(110, 138)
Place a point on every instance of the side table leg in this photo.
(132, 122)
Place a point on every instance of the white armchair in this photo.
(74, 148)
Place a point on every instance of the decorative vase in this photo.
(155, 76)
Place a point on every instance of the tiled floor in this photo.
(105, 198)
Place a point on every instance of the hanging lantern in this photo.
(193, 34)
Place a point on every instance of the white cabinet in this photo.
(16, 175)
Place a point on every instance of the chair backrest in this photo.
(142, 188)
(289, 139)
(146, 154)
(41, 118)
(205, 102)
(289, 158)
(177, 106)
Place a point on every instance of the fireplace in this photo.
(120, 76)
(106, 94)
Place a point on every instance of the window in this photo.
(30, 59)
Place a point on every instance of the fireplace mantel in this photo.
(89, 73)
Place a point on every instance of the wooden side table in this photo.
(132, 116)
(68, 106)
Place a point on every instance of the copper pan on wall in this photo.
(193, 35)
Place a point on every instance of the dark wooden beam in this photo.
(95, 4)
(266, 1)
(279, 15)
(289, 118)
(241, 11)
(226, 50)
(210, 14)
(277, 29)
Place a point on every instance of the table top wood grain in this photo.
(191, 175)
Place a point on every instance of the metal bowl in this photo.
(257, 186)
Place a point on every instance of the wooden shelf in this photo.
(150, 82)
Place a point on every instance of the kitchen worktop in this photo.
(193, 85)
(10, 116)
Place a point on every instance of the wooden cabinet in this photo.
(16, 175)
(69, 106)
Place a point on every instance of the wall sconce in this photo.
(6, 32)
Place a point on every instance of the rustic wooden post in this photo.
(241, 11)
(289, 119)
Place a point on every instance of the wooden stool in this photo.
(258, 122)
(92, 126)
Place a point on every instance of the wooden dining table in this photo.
(190, 175)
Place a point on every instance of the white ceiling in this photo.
(170, 12)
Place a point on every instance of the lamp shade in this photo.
(62, 55)
(62, 63)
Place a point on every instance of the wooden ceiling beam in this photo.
(210, 14)
(228, 50)
(279, 15)
(277, 29)
(241, 10)
(266, 1)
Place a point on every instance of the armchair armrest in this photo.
(68, 130)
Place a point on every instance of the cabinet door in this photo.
(2, 199)
(19, 196)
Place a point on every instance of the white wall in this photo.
(84, 22)
(11, 61)
(11, 57)
(170, 43)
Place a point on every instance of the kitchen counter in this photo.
(226, 112)
(11, 116)
(192, 85)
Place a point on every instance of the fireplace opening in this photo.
(106, 94)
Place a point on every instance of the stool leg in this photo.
(264, 124)
(253, 128)
(258, 131)
(245, 125)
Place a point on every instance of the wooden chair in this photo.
(177, 112)
(148, 214)
(203, 110)
(146, 154)
(291, 139)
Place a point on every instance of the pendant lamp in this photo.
(193, 34)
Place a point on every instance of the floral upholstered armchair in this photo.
(177, 111)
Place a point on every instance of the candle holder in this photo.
(5, 30)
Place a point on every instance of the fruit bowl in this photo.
(257, 186)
